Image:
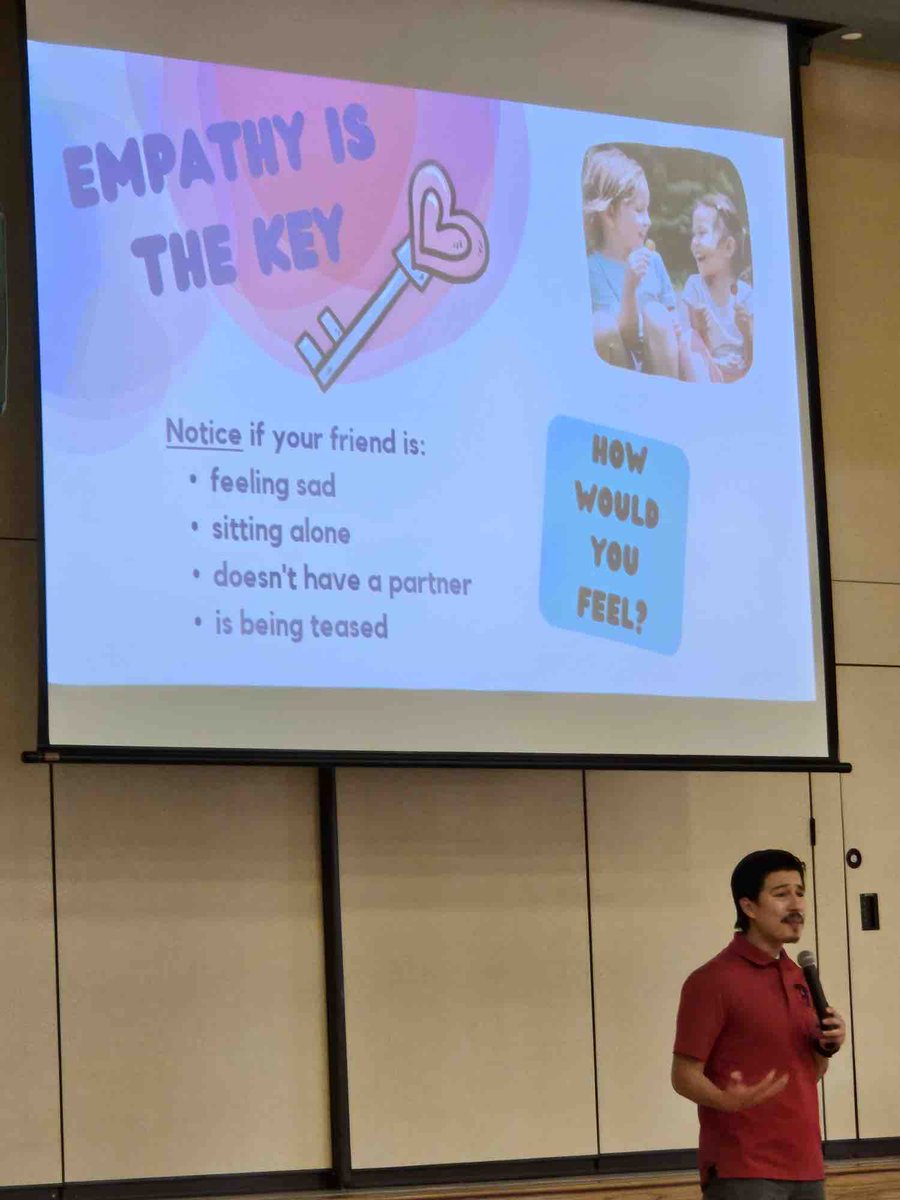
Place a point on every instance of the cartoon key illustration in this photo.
(443, 241)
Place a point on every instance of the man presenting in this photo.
(749, 1050)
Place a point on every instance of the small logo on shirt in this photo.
(804, 994)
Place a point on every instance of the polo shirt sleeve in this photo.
(701, 1015)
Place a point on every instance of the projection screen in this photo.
(423, 379)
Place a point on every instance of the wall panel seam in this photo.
(590, 932)
(62, 1135)
(870, 582)
(879, 666)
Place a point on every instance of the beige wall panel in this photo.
(867, 623)
(29, 1096)
(467, 966)
(191, 971)
(662, 849)
(869, 712)
(839, 1108)
(852, 119)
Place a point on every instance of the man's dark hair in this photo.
(749, 875)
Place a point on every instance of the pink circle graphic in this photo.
(359, 149)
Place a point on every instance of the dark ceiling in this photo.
(877, 20)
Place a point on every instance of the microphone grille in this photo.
(806, 958)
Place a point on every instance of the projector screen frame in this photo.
(800, 35)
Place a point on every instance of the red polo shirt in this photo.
(746, 1011)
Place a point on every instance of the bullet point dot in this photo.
(196, 573)
(198, 621)
(193, 479)
(194, 526)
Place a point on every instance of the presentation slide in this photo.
(355, 388)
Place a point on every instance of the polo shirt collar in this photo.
(744, 949)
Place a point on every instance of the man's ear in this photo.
(747, 906)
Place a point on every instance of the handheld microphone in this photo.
(807, 960)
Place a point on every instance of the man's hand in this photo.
(739, 1095)
(834, 1031)
(690, 1081)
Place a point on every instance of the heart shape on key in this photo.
(446, 241)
